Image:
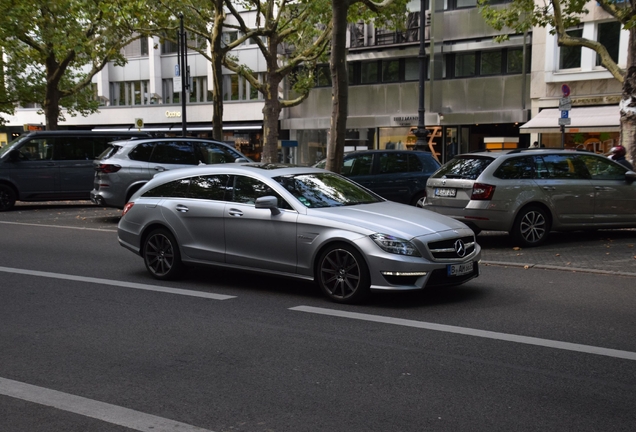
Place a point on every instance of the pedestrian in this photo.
(534, 145)
(617, 154)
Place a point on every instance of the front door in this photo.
(36, 173)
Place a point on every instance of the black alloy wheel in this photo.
(343, 274)
(531, 227)
(161, 255)
(7, 198)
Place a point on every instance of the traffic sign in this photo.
(565, 114)
(566, 90)
(565, 121)
(565, 104)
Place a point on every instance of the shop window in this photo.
(570, 57)
(390, 71)
(490, 63)
(609, 35)
(465, 65)
(369, 72)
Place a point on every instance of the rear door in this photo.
(74, 156)
(566, 182)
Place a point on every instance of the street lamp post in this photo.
(183, 65)
(422, 133)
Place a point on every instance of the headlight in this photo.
(395, 245)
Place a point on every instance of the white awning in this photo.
(584, 119)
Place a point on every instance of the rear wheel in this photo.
(7, 197)
(161, 255)
(342, 274)
(531, 227)
(419, 199)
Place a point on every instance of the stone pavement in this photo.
(602, 251)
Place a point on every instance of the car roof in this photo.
(388, 151)
(502, 153)
(161, 139)
(260, 169)
(86, 133)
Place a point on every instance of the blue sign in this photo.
(176, 70)
(565, 114)
(289, 143)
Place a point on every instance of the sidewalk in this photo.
(602, 251)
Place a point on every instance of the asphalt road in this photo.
(89, 342)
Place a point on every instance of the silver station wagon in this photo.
(299, 222)
(529, 192)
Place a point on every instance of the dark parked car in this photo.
(52, 165)
(397, 175)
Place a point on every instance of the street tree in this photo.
(53, 49)
(343, 12)
(292, 36)
(559, 16)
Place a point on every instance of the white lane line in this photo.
(118, 283)
(57, 226)
(106, 412)
(588, 349)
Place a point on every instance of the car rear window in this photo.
(464, 167)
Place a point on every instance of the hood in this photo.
(388, 217)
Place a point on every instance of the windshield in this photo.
(463, 168)
(9, 146)
(319, 190)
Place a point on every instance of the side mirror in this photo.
(14, 155)
(240, 160)
(630, 176)
(268, 202)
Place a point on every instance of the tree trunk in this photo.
(217, 72)
(340, 86)
(51, 105)
(272, 108)
(628, 102)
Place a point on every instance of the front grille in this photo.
(440, 277)
(447, 249)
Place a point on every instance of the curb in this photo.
(560, 268)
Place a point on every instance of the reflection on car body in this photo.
(300, 222)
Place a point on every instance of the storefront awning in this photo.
(583, 119)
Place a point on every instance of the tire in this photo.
(161, 255)
(7, 197)
(342, 274)
(531, 227)
(418, 199)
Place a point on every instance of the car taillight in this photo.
(107, 168)
(482, 192)
(127, 207)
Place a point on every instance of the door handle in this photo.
(549, 188)
(159, 168)
(181, 208)
(236, 212)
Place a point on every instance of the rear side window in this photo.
(516, 168)
(429, 163)
(210, 153)
(357, 165)
(210, 187)
(174, 152)
(561, 166)
(141, 152)
(464, 168)
(173, 189)
(394, 163)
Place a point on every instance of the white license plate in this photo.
(445, 192)
(459, 269)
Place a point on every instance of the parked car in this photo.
(126, 166)
(397, 175)
(529, 192)
(52, 165)
(300, 222)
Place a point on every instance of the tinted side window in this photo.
(565, 167)
(464, 168)
(210, 153)
(73, 148)
(173, 189)
(174, 152)
(415, 165)
(603, 169)
(37, 149)
(429, 163)
(357, 165)
(141, 152)
(393, 163)
(516, 168)
(246, 190)
(211, 187)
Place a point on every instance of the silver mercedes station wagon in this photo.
(300, 222)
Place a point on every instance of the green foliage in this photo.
(54, 47)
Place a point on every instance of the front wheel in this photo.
(161, 255)
(531, 227)
(343, 275)
(7, 198)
